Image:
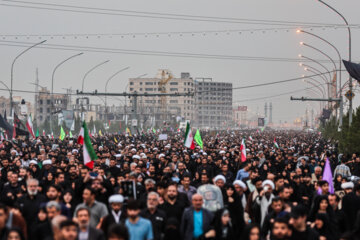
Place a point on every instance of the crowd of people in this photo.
(141, 188)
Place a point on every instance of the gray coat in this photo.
(187, 222)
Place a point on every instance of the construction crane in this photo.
(166, 76)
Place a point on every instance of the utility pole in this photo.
(270, 112)
(338, 100)
(36, 98)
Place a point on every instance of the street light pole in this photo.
(350, 78)
(332, 45)
(318, 50)
(107, 82)
(52, 85)
(12, 71)
(83, 80)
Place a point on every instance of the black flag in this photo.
(353, 69)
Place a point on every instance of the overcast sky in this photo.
(103, 29)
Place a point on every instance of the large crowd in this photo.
(141, 188)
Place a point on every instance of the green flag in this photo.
(198, 139)
(62, 134)
(70, 134)
(37, 133)
(154, 131)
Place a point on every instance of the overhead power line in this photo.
(154, 53)
(234, 88)
(196, 33)
(154, 15)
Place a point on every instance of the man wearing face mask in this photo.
(29, 204)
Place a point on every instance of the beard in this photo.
(171, 197)
(32, 192)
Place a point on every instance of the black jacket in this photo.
(187, 222)
(158, 221)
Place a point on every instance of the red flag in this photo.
(14, 130)
(29, 126)
(243, 151)
(80, 139)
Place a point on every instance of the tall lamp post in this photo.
(107, 82)
(332, 45)
(83, 80)
(350, 78)
(52, 84)
(12, 71)
(318, 50)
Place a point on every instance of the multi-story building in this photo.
(213, 103)
(240, 116)
(18, 101)
(44, 107)
(155, 110)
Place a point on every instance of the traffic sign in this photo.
(349, 95)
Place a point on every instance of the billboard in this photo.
(261, 122)
(242, 108)
(68, 116)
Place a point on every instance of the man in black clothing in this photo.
(351, 205)
(12, 190)
(173, 207)
(155, 215)
(116, 216)
(29, 205)
(298, 222)
(280, 229)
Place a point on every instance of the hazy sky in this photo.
(214, 36)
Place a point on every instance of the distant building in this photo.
(17, 100)
(44, 106)
(240, 116)
(213, 103)
(151, 110)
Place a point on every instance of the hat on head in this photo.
(33, 162)
(136, 157)
(268, 182)
(116, 198)
(46, 162)
(219, 177)
(240, 183)
(347, 185)
(118, 155)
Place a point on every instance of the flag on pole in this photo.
(37, 133)
(2, 138)
(243, 151)
(250, 138)
(52, 135)
(100, 133)
(29, 126)
(94, 130)
(154, 131)
(62, 134)
(115, 140)
(128, 132)
(72, 128)
(44, 133)
(275, 143)
(80, 139)
(14, 131)
(189, 140)
(88, 150)
(70, 135)
(327, 176)
(198, 139)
